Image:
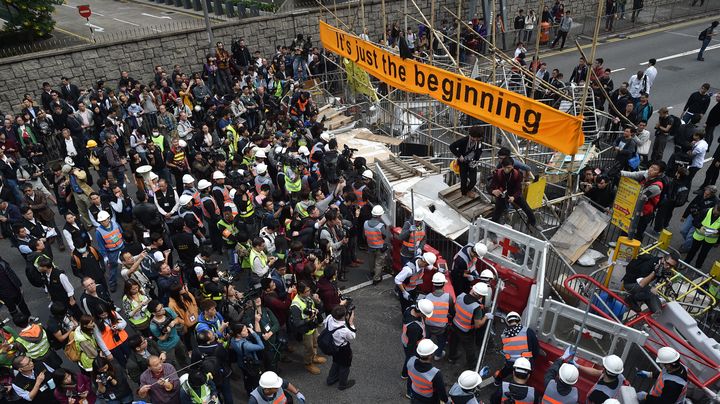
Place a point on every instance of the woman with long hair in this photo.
(110, 329)
(111, 383)
(134, 302)
(163, 328)
(183, 303)
(71, 388)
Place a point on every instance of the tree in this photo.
(34, 16)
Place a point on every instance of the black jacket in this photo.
(640, 267)
(459, 148)
(699, 204)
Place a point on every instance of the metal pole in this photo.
(494, 78)
(498, 287)
(208, 27)
(584, 321)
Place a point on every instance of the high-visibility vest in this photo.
(142, 316)
(605, 389)
(112, 339)
(202, 398)
(208, 215)
(464, 254)
(112, 236)
(462, 396)
(195, 195)
(421, 382)
(441, 308)
(506, 396)
(517, 346)
(35, 341)
(302, 305)
(416, 277)
(227, 199)
(293, 186)
(278, 398)
(373, 233)
(178, 157)
(359, 193)
(415, 237)
(183, 211)
(248, 209)
(159, 142)
(709, 230)
(233, 141)
(463, 319)
(553, 396)
(403, 337)
(260, 255)
(227, 230)
(667, 377)
(80, 337)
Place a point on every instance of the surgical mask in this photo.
(82, 250)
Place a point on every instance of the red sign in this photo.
(84, 11)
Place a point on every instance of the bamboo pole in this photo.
(493, 76)
(384, 17)
(362, 15)
(536, 58)
(456, 115)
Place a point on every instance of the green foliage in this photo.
(33, 16)
(260, 5)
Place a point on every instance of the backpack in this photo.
(34, 276)
(326, 343)
(703, 35)
(665, 187)
(71, 349)
(681, 195)
(329, 166)
(78, 263)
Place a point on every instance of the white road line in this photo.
(126, 22)
(164, 17)
(95, 27)
(617, 70)
(679, 55)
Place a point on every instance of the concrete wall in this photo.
(87, 63)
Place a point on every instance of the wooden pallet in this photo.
(396, 169)
(470, 209)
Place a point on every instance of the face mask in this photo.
(82, 250)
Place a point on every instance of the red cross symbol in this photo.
(507, 247)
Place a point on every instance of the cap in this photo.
(204, 184)
(270, 380)
(188, 179)
(438, 278)
(377, 210)
(185, 199)
(261, 168)
(102, 216)
(218, 175)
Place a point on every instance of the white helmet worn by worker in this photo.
(185, 199)
(260, 154)
(203, 184)
(218, 175)
(419, 216)
(468, 380)
(487, 275)
(367, 174)
(481, 289)
(378, 210)
(430, 258)
(480, 249)
(613, 365)
(270, 380)
(438, 278)
(666, 355)
(304, 151)
(611, 401)
(102, 216)
(261, 169)
(188, 179)
(426, 307)
(568, 374)
(426, 347)
(513, 316)
(522, 364)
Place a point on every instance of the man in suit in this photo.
(38, 203)
(468, 150)
(70, 92)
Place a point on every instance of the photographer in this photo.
(305, 318)
(641, 273)
(232, 307)
(163, 328)
(271, 299)
(216, 361)
(72, 388)
(334, 233)
(247, 344)
(327, 289)
(111, 384)
(341, 324)
(267, 326)
(198, 388)
(259, 262)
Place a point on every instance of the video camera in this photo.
(103, 378)
(348, 151)
(349, 305)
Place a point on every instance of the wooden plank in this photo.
(389, 170)
(449, 190)
(392, 141)
(405, 165)
(335, 124)
(430, 166)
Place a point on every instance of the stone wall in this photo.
(87, 63)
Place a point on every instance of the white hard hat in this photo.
(185, 199)
(426, 347)
(326, 136)
(430, 258)
(153, 176)
(367, 174)
(513, 316)
(270, 380)
(203, 184)
(103, 215)
(522, 364)
(377, 210)
(188, 179)
(419, 216)
(480, 249)
(261, 168)
(481, 289)
(613, 365)
(468, 380)
(260, 154)
(611, 401)
(426, 307)
(218, 175)
(182, 143)
(667, 354)
(569, 374)
(438, 278)
(487, 275)
(69, 161)
(304, 151)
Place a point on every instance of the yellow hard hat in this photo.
(91, 143)
(455, 167)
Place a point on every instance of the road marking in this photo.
(84, 38)
(95, 27)
(126, 22)
(362, 285)
(164, 17)
(688, 53)
(617, 70)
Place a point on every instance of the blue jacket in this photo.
(247, 346)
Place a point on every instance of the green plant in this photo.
(33, 16)
(260, 5)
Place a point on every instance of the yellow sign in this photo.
(534, 193)
(624, 204)
(497, 106)
(358, 80)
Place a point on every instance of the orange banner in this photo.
(497, 106)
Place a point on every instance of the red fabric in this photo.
(650, 205)
(514, 185)
(280, 308)
(328, 294)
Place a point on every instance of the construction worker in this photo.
(271, 390)
(670, 384)
(228, 231)
(34, 340)
(560, 382)
(464, 271)
(378, 240)
(443, 309)
(469, 317)
(221, 192)
(110, 244)
(610, 379)
(189, 189)
(411, 276)
(365, 181)
(463, 392)
(426, 384)
(197, 388)
(413, 329)
(518, 342)
(517, 391)
(413, 237)
(211, 212)
(190, 219)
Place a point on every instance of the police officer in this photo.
(197, 388)
(413, 237)
(670, 384)
(411, 276)
(443, 309)
(413, 329)
(378, 241)
(462, 392)
(560, 382)
(468, 319)
(272, 389)
(610, 379)
(426, 382)
(464, 270)
(517, 390)
(518, 342)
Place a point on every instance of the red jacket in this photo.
(280, 308)
(328, 294)
(512, 182)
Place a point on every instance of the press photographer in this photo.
(642, 273)
(341, 328)
(304, 320)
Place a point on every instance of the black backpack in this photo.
(326, 343)
(703, 35)
(329, 166)
(681, 194)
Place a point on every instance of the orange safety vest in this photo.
(415, 238)
(463, 319)
(404, 338)
(373, 235)
(414, 280)
(517, 346)
(204, 210)
(113, 339)
(112, 238)
(421, 382)
(441, 308)
(301, 106)
(359, 193)
(195, 195)
(657, 389)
